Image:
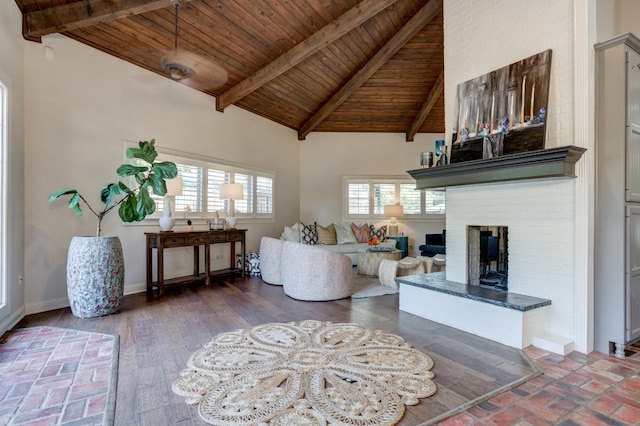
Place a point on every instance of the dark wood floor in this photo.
(158, 336)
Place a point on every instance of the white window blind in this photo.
(383, 194)
(366, 197)
(264, 195)
(358, 198)
(201, 180)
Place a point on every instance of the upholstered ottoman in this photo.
(390, 269)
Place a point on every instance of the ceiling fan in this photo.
(189, 68)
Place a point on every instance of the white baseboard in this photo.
(49, 305)
(135, 288)
(11, 320)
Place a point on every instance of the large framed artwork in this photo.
(502, 112)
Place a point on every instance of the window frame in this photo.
(210, 163)
(5, 120)
(397, 181)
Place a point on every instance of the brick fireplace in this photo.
(535, 242)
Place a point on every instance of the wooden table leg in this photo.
(149, 270)
(160, 270)
(196, 261)
(207, 264)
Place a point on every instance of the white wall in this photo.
(12, 66)
(629, 18)
(80, 107)
(608, 13)
(541, 215)
(326, 157)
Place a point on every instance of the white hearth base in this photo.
(508, 326)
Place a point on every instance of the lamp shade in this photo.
(393, 210)
(231, 191)
(174, 186)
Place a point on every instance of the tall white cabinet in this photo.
(617, 212)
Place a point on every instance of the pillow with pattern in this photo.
(361, 232)
(326, 235)
(381, 232)
(308, 234)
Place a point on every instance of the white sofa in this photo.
(349, 249)
(306, 272)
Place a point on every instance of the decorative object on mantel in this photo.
(231, 192)
(174, 188)
(426, 159)
(511, 101)
(443, 159)
(545, 163)
(309, 372)
(95, 265)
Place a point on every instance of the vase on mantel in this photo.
(95, 276)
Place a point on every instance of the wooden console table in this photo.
(164, 240)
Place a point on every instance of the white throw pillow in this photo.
(292, 233)
(344, 234)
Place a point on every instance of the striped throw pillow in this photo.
(327, 235)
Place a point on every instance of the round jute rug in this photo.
(309, 372)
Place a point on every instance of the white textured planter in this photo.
(95, 276)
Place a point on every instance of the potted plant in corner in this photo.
(95, 265)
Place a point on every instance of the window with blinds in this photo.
(201, 182)
(366, 197)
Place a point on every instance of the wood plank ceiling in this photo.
(311, 65)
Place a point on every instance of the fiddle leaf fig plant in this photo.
(134, 204)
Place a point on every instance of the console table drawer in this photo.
(175, 241)
(196, 240)
(219, 238)
(235, 236)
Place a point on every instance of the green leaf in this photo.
(146, 151)
(166, 169)
(74, 204)
(124, 189)
(158, 185)
(106, 194)
(127, 210)
(59, 194)
(145, 206)
(130, 170)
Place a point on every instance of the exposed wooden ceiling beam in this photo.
(71, 16)
(406, 33)
(425, 109)
(322, 38)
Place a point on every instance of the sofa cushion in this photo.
(344, 234)
(308, 234)
(361, 233)
(291, 233)
(326, 235)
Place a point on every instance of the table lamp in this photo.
(174, 187)
(231, 192)
(393, 211)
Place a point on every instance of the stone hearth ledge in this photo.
(511, 319)
(437, 282)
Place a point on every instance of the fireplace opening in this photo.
(487, 256)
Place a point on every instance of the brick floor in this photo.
(56, 376)
(586, 390)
